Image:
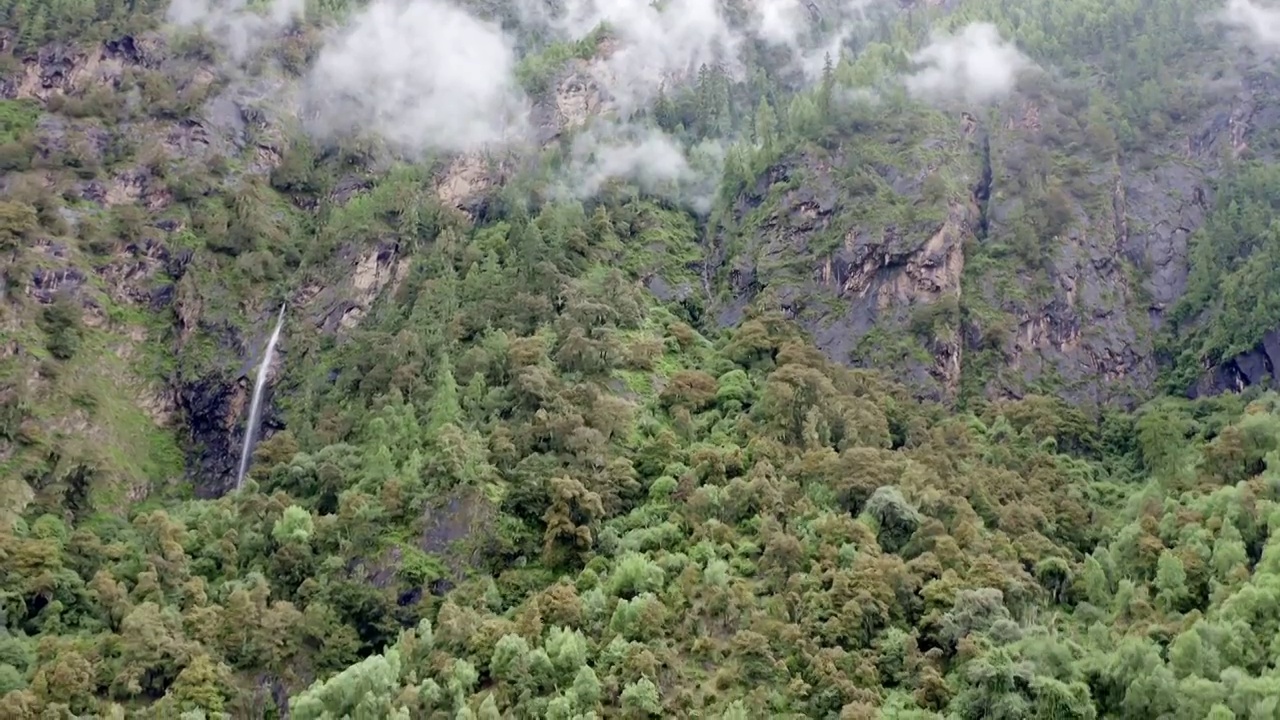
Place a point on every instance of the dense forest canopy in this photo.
(521, 482)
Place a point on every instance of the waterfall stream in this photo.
(255, 406)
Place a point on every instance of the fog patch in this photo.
(974, 66)
(237, 29)
(1256, 24)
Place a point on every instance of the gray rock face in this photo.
(1063, 260)
(808, 250)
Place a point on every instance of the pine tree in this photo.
(766, 126)
(445, 408)
(827, 88)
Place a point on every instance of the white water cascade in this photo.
(255, 406)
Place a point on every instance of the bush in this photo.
(18, 221)
(60, 322)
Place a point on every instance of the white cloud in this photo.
(238, 29)
(780, 22)
(651, 45)
(648, 157)
(794, 24)
(975, 65)
(423, 75)
(428, 76)
(1258, 23)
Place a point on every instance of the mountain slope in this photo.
(1071, 244)
(725, 381)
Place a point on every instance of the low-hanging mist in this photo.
(1254, 23)
(431, 77)
(237, 28)
(424, 76)
(975, 65)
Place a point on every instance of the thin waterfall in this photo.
(255, 406)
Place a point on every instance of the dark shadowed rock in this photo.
(210, 406)
(1256, 367)
(457, 527)
(347, 188)
(47, 284)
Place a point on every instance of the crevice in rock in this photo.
(982, 191)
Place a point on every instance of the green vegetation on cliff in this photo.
(581, 459)
(1232, 298)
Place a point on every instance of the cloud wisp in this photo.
(975, 65)
(1257, 24)
(237, 28)
(655, 46)
(795, 24)
(428, 77)
(649, 46)
(423, 75)
(646, 156)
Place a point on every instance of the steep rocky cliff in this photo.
(1029, 243)
(1020, 250)
(187, 324)
(852, 248)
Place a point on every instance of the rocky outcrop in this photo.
(1070, 301)
(847, 278)
(340, 306)
(214, 404)
(1054, 275)
(1252, 112)
(885, 280)
(249, 114)
(466, 180)
(574, 98)
(455, 528)
(1256, 367)
(210, 406)
(62, 69)
(144, 272)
